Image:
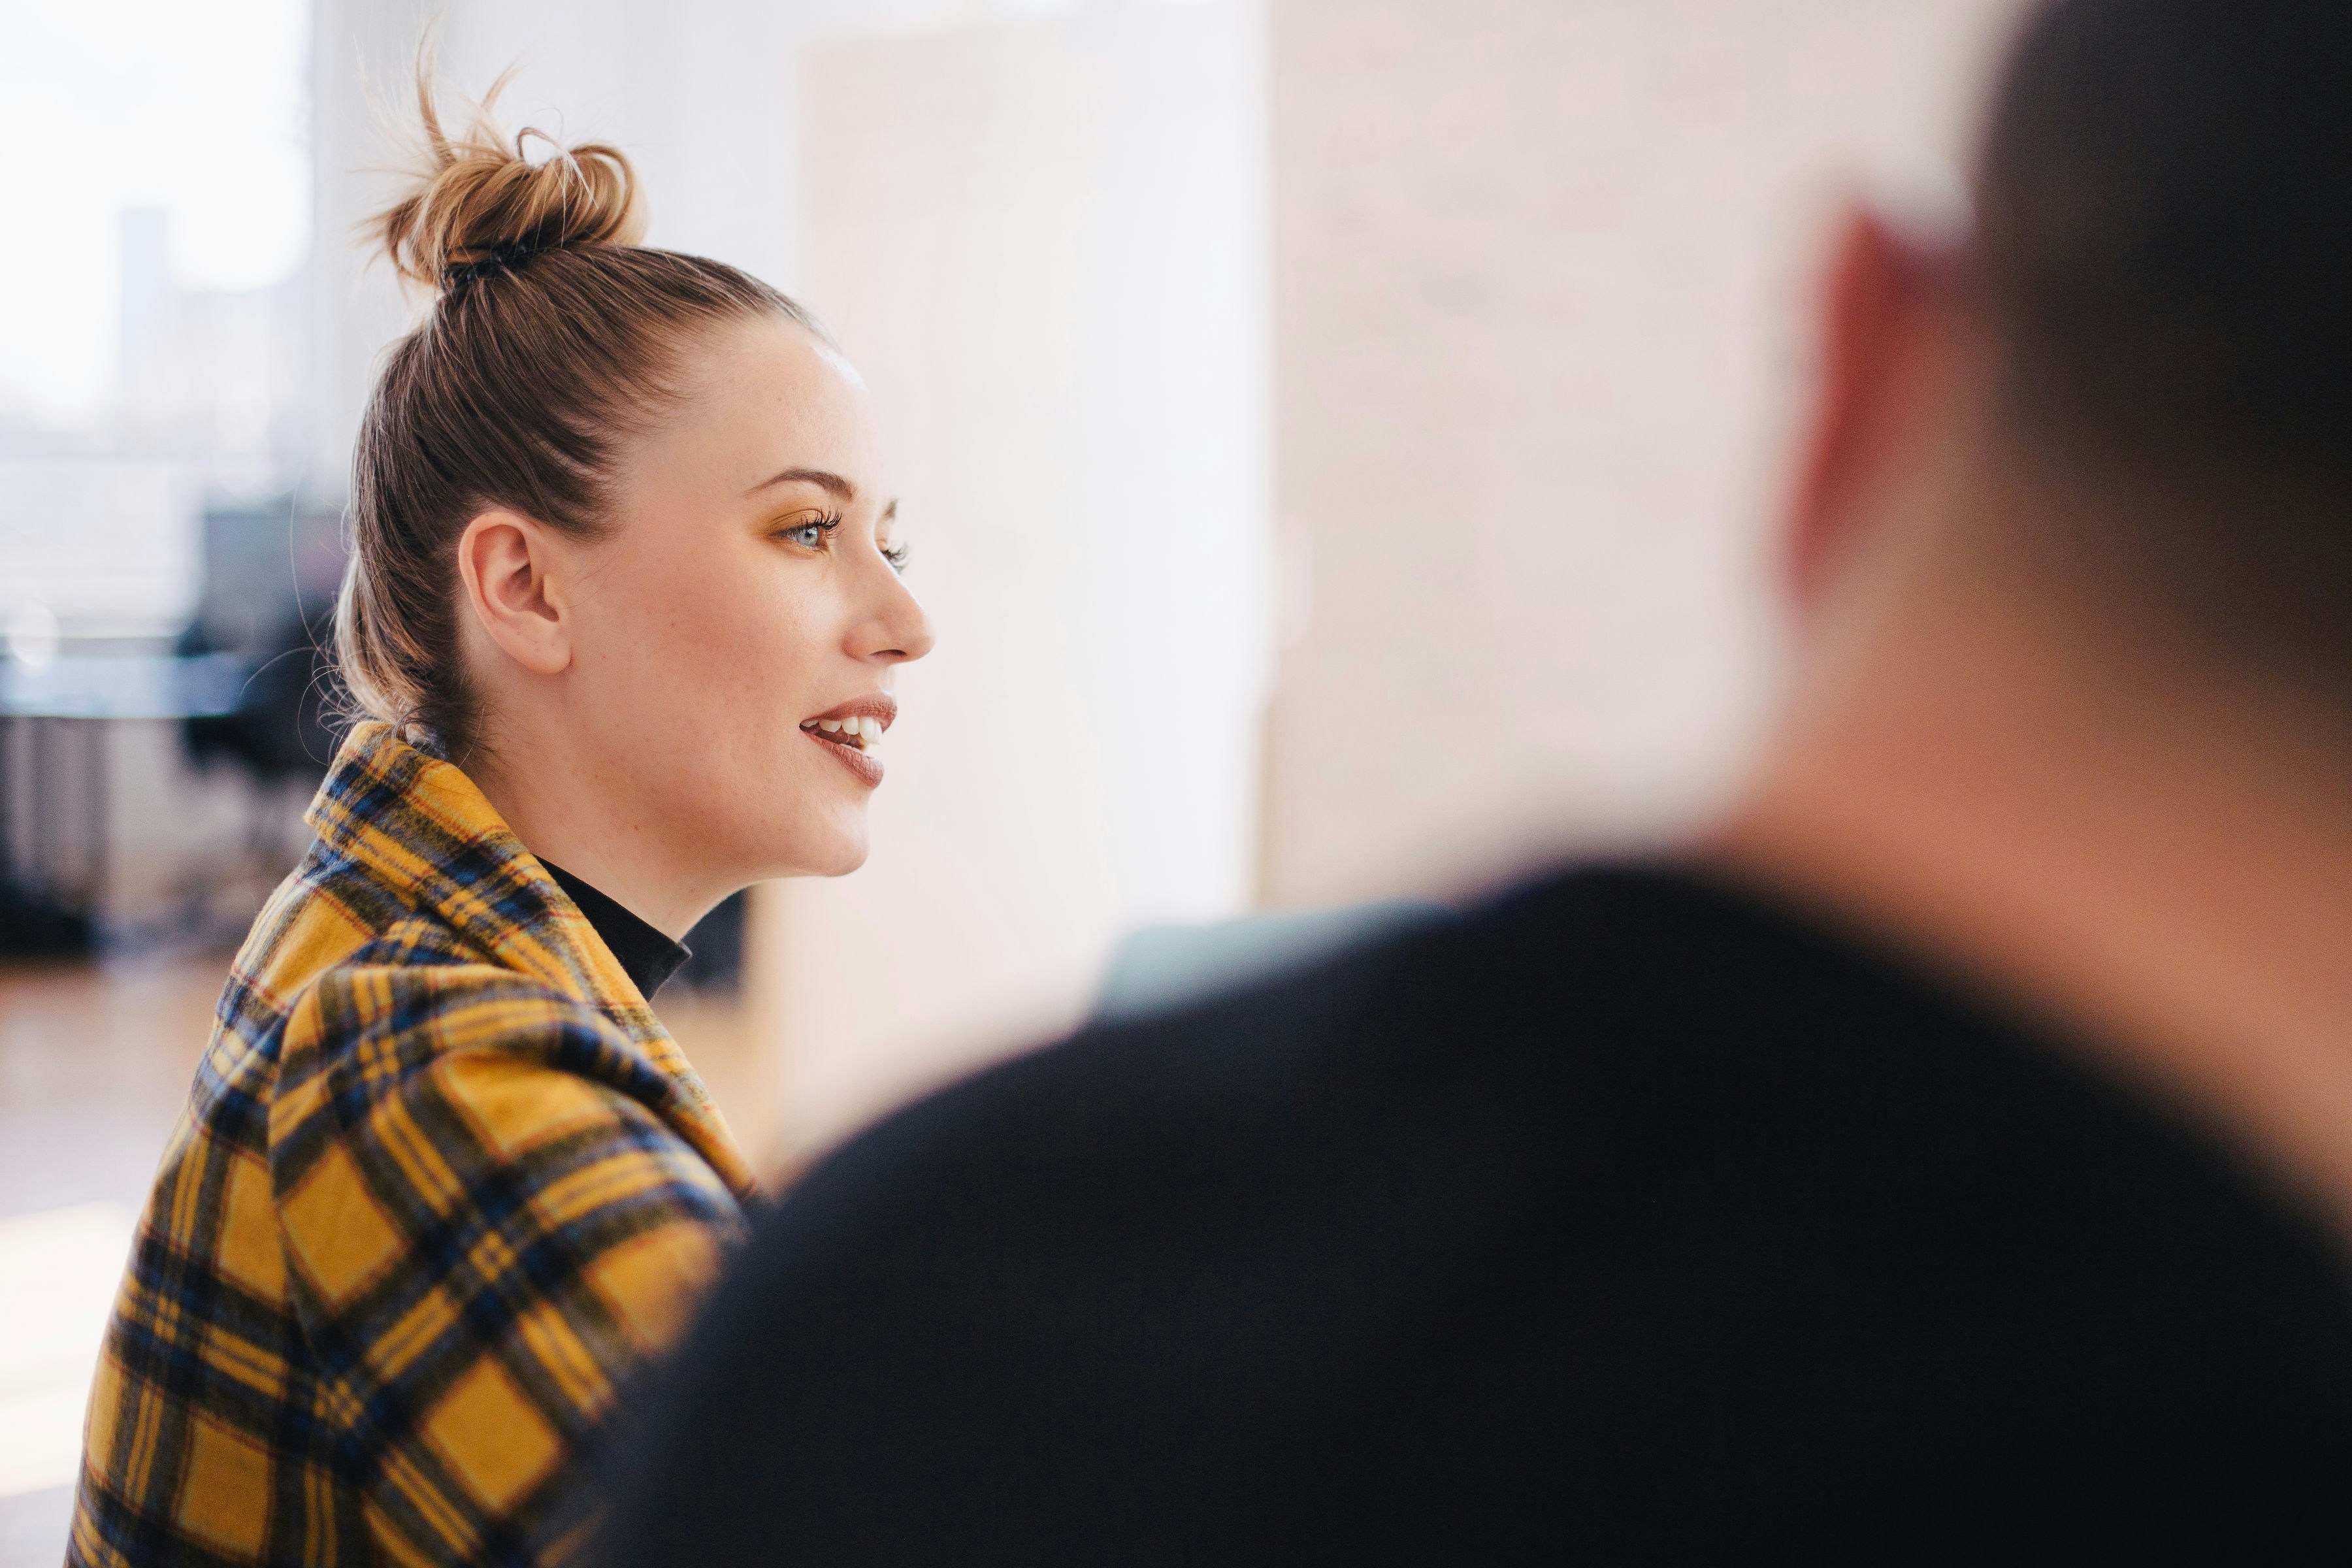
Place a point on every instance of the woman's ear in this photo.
(507, 564)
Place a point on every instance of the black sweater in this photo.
(1623, 1217)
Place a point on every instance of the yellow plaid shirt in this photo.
(443, 1182)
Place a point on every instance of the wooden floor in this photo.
(95, 1063)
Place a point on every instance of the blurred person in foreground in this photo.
(622, 612)
(1953, 1150)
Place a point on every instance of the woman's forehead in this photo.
(770, 398)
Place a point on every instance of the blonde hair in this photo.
(554, 337)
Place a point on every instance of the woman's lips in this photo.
(853, 733)
(864, 765)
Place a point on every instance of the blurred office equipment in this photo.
(270, 576)
(1160, 968)
(101, 568)
(56, 763)
(148, 555)
(85, 785)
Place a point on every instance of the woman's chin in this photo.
(838, 847)
(849, 860)
(819, 829)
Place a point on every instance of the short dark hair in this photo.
(2164, 201)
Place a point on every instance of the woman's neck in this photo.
(563, 810)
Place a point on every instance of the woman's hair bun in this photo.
(478, 201)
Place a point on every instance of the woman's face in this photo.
(738, 626)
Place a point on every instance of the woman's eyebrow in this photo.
(818, 477)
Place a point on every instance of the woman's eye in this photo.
(898, 556)
(810, 535)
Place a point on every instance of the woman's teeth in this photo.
(865, 734)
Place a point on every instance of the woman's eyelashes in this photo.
(817, 534)
(809, 534)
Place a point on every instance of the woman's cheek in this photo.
(789, 632)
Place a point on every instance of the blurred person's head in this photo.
(2071, 551)
(623, 539)
(2145, 340)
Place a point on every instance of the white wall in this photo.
(1042, 244)
(1536, 279)
(360, 52)
(702, 94)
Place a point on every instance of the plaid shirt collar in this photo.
(419, 828)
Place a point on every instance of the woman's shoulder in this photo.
(342, 954)
(329, 915)
(364, 995)
(403, 1006)
(426, 1073)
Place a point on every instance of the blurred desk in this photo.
(53, 738)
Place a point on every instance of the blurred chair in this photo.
(281, 726)
(270, 575)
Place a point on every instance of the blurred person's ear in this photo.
(504, 561)
(1882, 307)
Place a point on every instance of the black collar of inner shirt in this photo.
(645, 955)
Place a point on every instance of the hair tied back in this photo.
(504, 257)
(477, 205)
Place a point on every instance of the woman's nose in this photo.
(898, 630)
